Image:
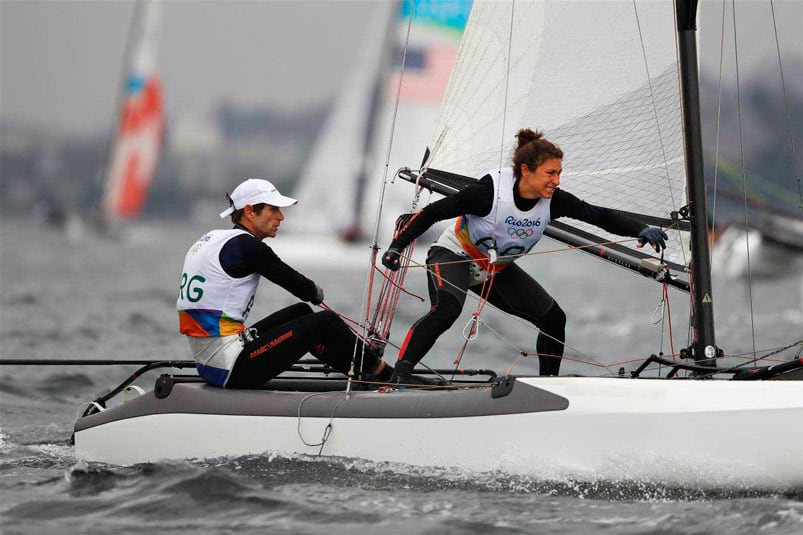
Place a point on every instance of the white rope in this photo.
(472, 329)
(719, 117)
(657, 122)
(327, 431)
(744, 183)
(492, 253)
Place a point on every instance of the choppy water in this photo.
(83, 298)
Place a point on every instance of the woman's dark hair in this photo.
(533, 150)
(238, 214)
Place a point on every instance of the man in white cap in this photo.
(219, 281)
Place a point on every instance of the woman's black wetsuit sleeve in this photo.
(564, 204)
(244, 255)
(477, 199)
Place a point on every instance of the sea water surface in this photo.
(84, 297)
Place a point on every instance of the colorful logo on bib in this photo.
(520, 233)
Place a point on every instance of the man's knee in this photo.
(327, 317)
(301, 309)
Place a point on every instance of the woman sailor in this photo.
(219, 281)
(508, 208)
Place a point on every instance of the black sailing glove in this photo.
(318, 299)
(655, 236)
(392, 259)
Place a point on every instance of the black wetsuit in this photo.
(285, 336)
(513, 290)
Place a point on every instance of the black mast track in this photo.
(704, 347)
(446, 183)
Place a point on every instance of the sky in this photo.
(60, 61)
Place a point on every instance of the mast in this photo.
(704, 345)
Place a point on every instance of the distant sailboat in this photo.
(771, 232)
(348, 160)
(137, 143)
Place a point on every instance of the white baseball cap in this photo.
(255, 191)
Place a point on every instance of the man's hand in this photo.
(391, 259)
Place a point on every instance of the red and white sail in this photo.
(136, 147)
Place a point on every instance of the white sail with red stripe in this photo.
(136, 147)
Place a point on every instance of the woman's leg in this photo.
(517, 293)
(447, 282)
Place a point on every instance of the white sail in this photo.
(326, 188)
(368, 128)
(599, 78)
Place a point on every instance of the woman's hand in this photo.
(655, 236)
(318, 299)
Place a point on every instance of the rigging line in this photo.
(435, 372)
(772, 351)
(378, 217)
(521, 321)
(399, 285)
(473, 333)
(719, 117)
(589, 360)
(669, 319)
(492, 251)
(657, 122)
(744, 181)
(738, 367)
(786, 107)
(533, 253)
(327, 430)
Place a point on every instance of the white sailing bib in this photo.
(210, 302)
(514, 231)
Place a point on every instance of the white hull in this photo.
(672, 432)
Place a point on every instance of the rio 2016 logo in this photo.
(510, 220)
(520, 233)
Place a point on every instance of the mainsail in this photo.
(135, 150)
(529, 65)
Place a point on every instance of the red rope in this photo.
(669, 318)
(485, 292)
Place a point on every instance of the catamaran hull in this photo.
(745, 434)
